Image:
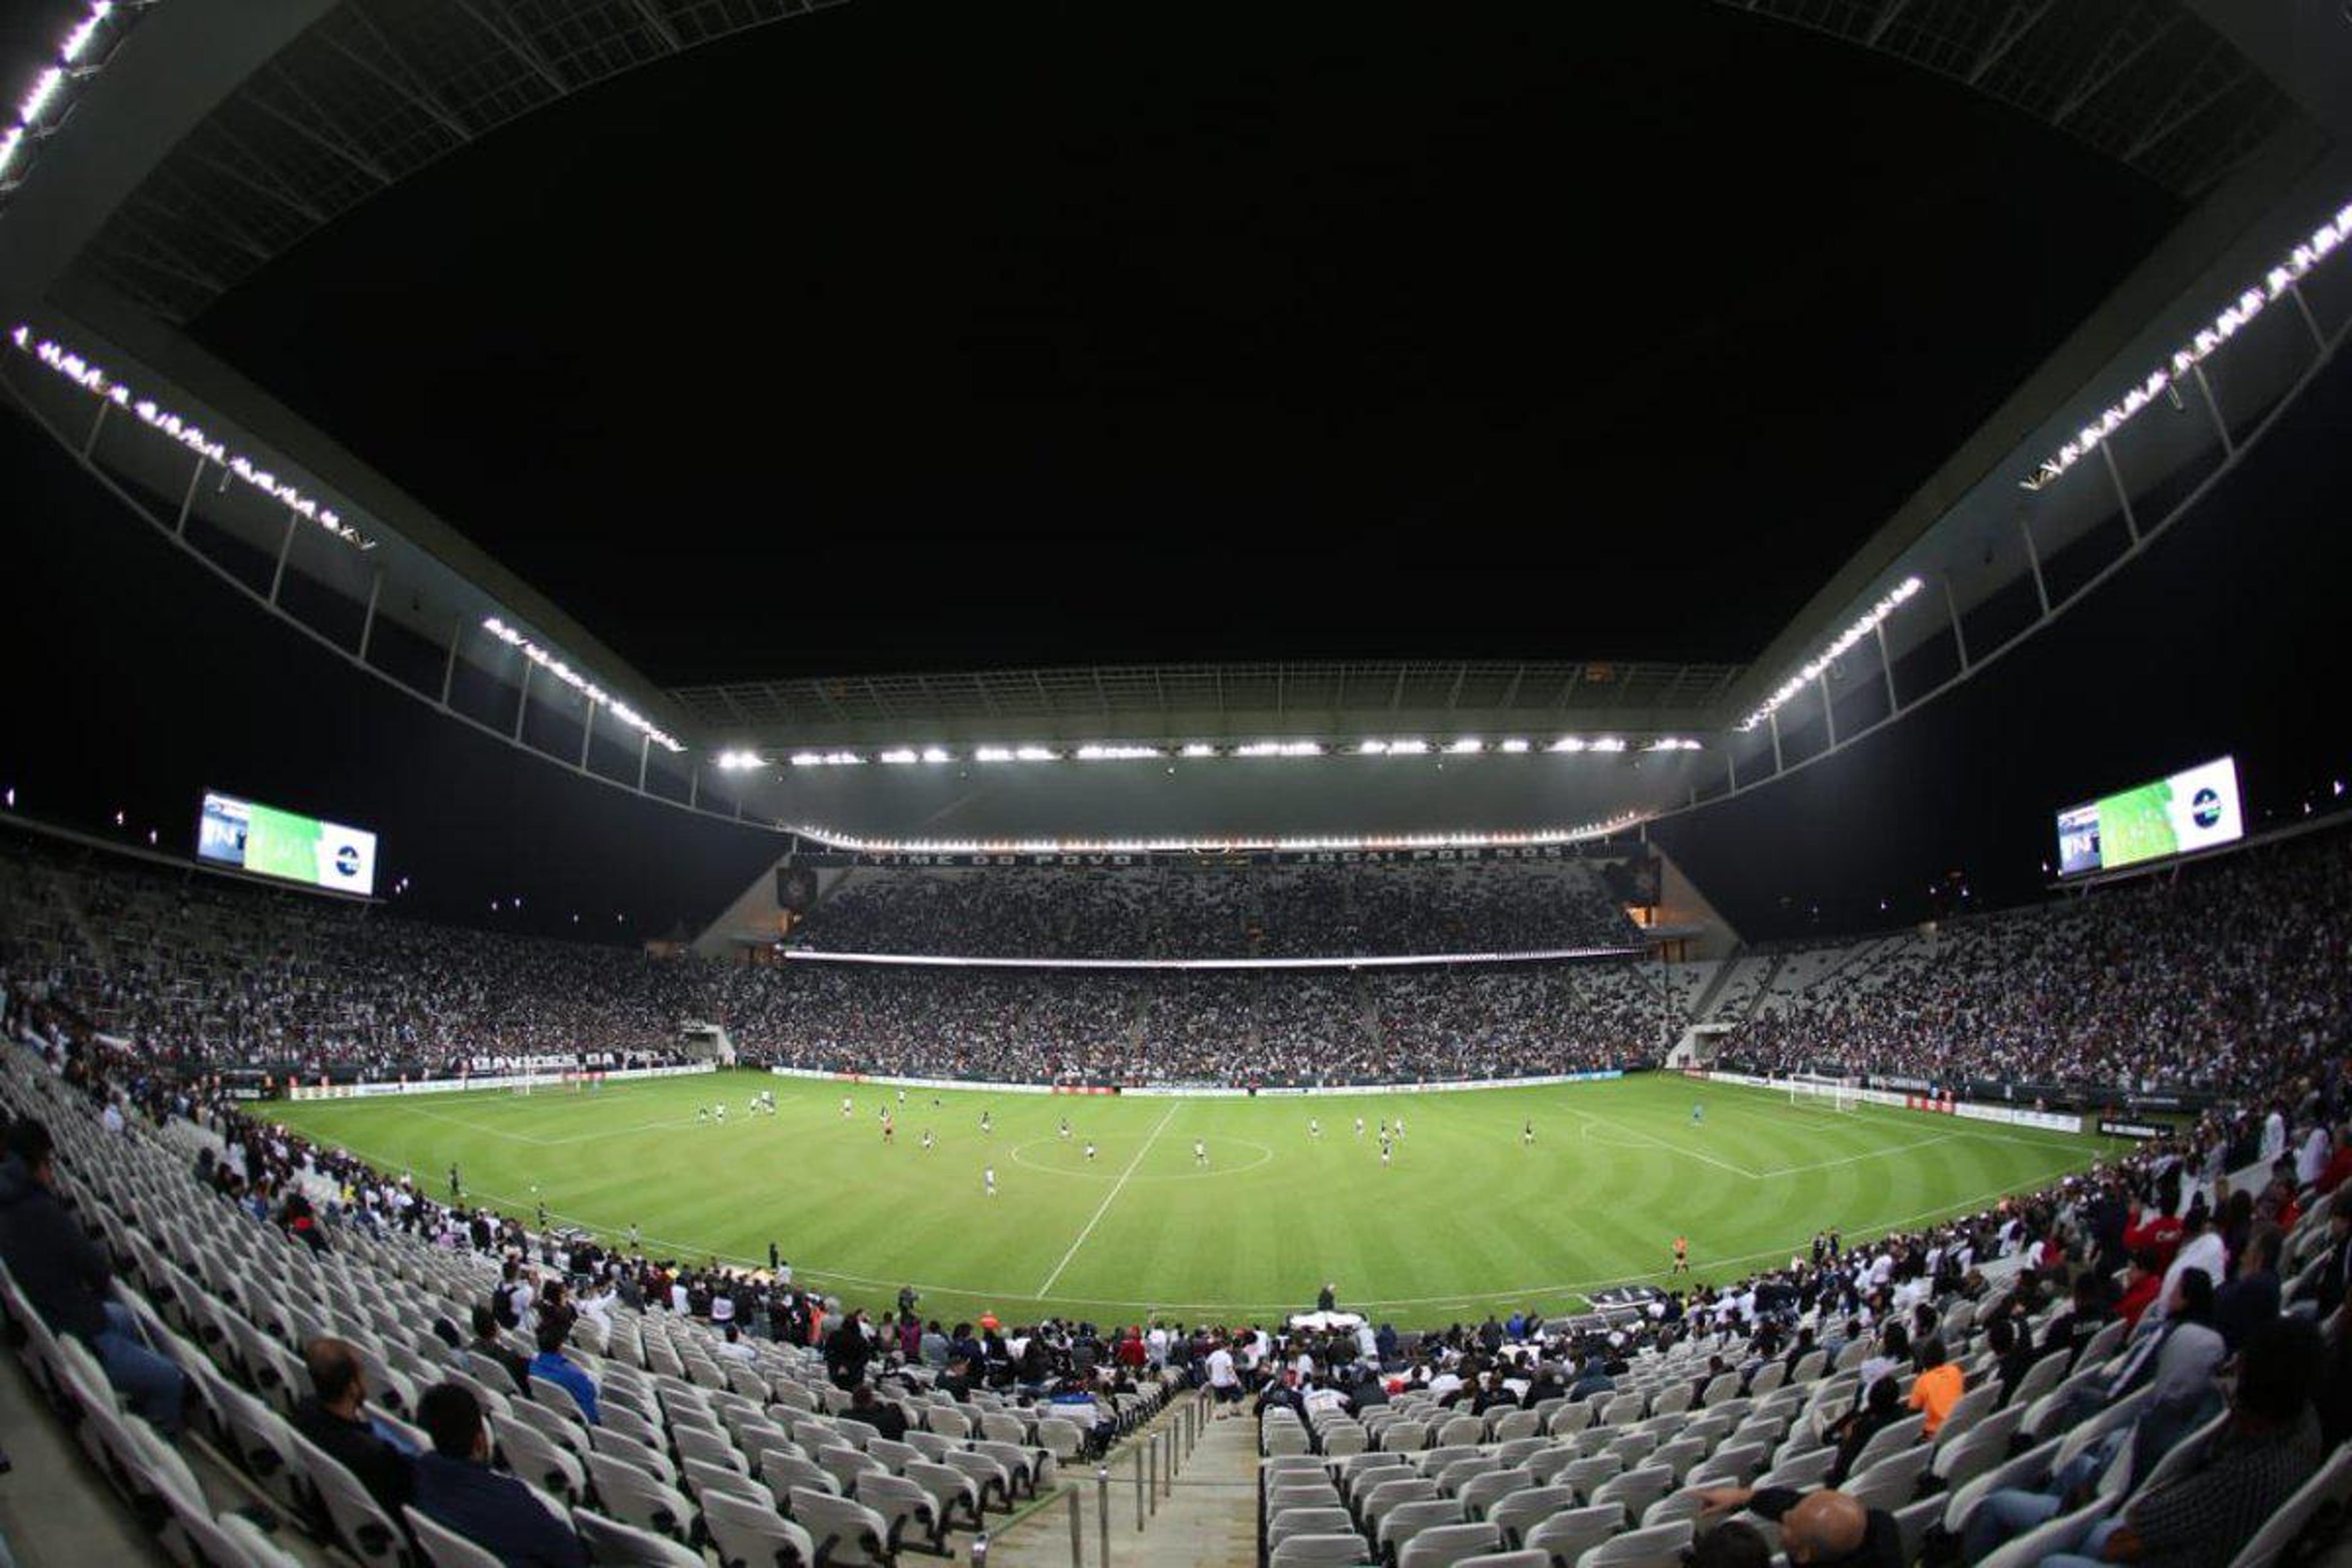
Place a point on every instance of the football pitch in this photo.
(1467, 1216)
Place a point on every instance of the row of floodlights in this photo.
(744, 760)
(2279, 281)
(42, 107)
(556, 665)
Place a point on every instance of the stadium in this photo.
(801, 782)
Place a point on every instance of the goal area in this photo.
(1828, 1093)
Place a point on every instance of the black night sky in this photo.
(1078, 334)
(916, 335)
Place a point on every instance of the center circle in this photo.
(1109, 1163)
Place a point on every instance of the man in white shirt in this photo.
(2313, 1161)
(1224, 1380)
(2200, 1247)
(2273, 1136)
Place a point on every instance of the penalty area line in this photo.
(1109, 1197)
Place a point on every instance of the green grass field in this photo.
(1465, 1218)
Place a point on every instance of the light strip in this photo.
(1126, 752)
(95, 381)
(586, 687)
(1380, 961)
(1868, 623)
(850, 841)
(53, 81)
(2323, 242)
(740, 762)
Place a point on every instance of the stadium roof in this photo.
(368, 94)
(205, 138)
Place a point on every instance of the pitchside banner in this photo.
(500, 1080)
(1199, 860)
(1937, 1105)
(1193, 1091)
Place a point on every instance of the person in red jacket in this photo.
(2142, 1280)
(2156, 1233)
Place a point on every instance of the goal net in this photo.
(1825, 1092)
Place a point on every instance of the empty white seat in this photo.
(1660, 1547)
(1443, 1545)
(1566, 1537)
(752, 1531)
(444, 1547)
(610, 1541)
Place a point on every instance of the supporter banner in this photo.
(1129, 858)
(459, 1085)
(2130, 1128)
(1085, 1089)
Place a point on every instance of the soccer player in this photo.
(1315, 1127)
(985, 1125)
(1200, 1153)
(455, 1189)
(927, 1140)
(845, 1108)
(702, 1113)
(1385, 1148)
(1399, 1128)
(1698, 1113)
(890, 1130)
(1065, 1128)
(1681, 1256)
(634, 1237)
(1359, 1127)
(1528, 1135)
(1090, 1151)
(719, 1111)
(902, 1097)
(988, 1179)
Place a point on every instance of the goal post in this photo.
(1827, 1092)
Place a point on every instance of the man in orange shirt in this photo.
(1938, 1385)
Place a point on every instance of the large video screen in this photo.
(2194, 809)
(286, 844)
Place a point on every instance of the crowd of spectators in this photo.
(2195, 981)
(2183, 981)
(1343, 909)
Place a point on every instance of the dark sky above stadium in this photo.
(920, 335)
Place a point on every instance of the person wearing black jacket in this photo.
(487, 1343)
(886, 1419)
(846, 1351)
(64, 1276)
(1823, 1529)
(329, 1416)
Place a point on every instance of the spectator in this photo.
(332, 1416)
(456, 1488)
(1937, 1388)
(65, 1278)
(486, 1343)
(884, 1416)
(1822, 1528)
(556, 1368)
